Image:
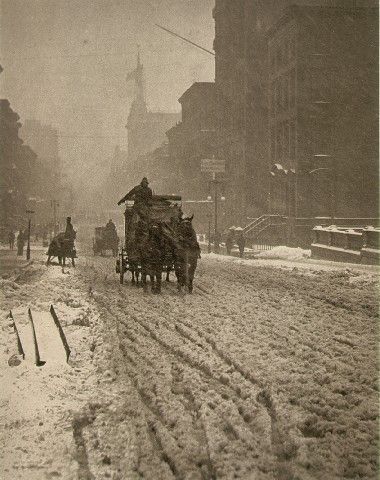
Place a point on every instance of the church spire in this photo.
(140, 93)
(138, 76)
(138, 111)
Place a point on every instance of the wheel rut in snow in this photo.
(135, 340)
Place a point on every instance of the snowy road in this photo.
(263, 373)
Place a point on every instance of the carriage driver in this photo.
(110, 226)
(142, 195)
(70, 233)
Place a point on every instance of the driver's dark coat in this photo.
(142, 195)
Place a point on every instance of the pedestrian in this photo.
(230, 240)
(217, 240)
(20, 243)
(45, 236)
(11, 238)
(241, 244)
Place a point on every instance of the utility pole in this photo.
(215, 184)
(29, 212)
(55, 205)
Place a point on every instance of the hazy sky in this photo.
(65, 63)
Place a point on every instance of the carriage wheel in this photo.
(121, 268)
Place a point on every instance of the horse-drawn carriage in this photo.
(62, 248)
(157, 240)
(105, 239)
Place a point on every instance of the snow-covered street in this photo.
(267, 371)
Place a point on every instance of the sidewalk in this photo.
(249, 253)
(253, 257)
(10, 261)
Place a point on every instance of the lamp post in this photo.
(55, 205)
(215, 184)
(209, 198)
(29, 212)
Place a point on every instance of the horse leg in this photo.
(168, 270)
(179, 273)
(186, 272)
(193, 261)
(158, 280)
(143, 277)
(73, 261)
(133, 281)
(152, 282)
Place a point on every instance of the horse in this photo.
(61, 248)
(152, 256)
(187, 252)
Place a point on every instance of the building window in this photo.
(285, 136)
(273, 144)
(285, 90)
(292, 143)
(279, 143)
(279, 57)
(292, 49)
(278, 96)
(292, 88)
(272, 99)
(285, 51)
(272, 61)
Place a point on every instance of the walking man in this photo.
(20, 243)
(241, 244)
(11, 238)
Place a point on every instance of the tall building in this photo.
(244, 80)
(193, 139)
(44, 140)
(323, 121)
(146, 129)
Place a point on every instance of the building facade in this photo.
(322, 95)
(44, 140)
(260, 120)
(193, 139)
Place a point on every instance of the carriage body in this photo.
(162, 210)
(104, 240)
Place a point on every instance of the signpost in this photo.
(214, 166)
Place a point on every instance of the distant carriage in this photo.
(105, 239)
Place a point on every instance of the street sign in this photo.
(213, 165)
